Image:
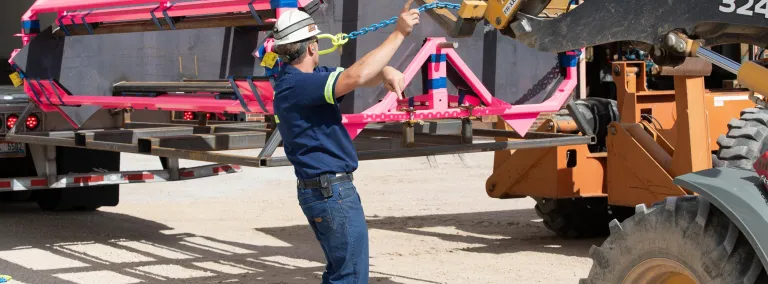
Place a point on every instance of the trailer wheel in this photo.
(76, 160)
(681, 240)
(579, 217)
(746, 140)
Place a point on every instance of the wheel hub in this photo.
(660, 271)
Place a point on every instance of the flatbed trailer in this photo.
(91, 177)
(393, 119)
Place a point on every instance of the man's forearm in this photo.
(371, 65)
(378, 79)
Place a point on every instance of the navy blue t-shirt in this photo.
(309, 120)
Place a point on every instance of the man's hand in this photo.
(394, 81)
(407, 20)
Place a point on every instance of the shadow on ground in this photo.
(42, 247)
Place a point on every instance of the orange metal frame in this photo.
(661, 134)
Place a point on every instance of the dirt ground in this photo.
(430, 221)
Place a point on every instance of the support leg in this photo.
(466, 131)
(269, 148)
(172, 165)
(409, 137)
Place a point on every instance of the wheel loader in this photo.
(671, 178)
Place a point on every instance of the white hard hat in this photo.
(294, 25)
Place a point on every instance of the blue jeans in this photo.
(339, 226)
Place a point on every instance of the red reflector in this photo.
(220, 169)
(139, 177)
(187, 174)
(39, 182)
(5, 184)
(236, 167)
(88, 179)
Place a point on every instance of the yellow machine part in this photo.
(501, 12)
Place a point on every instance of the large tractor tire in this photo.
(579, 217)
(681, 240)
(746, 140)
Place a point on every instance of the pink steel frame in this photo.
(439, 104)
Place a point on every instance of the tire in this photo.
(745, 141)
(76, 160)
(685, 230)
(579, 217)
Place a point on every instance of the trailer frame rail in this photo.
(204, 142)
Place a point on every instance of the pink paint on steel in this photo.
(519, 117)
(180, 9)
(437, 98)
(177, 102)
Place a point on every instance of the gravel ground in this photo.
(429, 221)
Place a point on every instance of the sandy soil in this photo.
(430, 222)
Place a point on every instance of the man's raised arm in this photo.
(369, 68)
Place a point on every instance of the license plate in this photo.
(13, 150)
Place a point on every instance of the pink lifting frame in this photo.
(519, 117)
(439, 104)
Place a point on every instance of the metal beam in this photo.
(454, 149)
(130, 136)
(419, 138)
(205, 142)
(184, 24)
(246, 161)
(515, 135)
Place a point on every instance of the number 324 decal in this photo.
(729, 6)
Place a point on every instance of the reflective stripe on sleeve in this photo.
(329, 85)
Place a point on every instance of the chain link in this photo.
(393, 20)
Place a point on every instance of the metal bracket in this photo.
(85, 23)
(172, 166)
(238, 95)
(271, 145)
(253, 12)
(168, 18)
(56, 92)
(62, 26)
(37, 96)
(154, 18)
(256, 94)
(41, 89)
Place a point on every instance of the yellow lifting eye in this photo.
(336, 40)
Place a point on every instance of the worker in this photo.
(317, 143)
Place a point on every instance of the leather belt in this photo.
(325, 181)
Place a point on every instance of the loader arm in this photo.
(597, 22)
